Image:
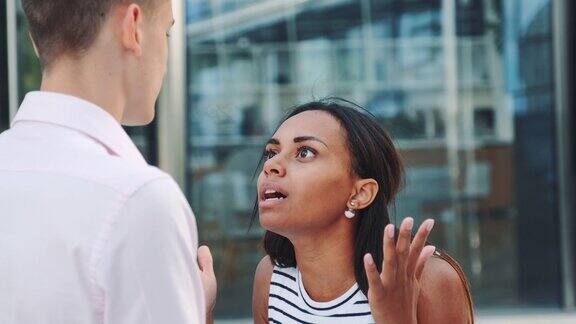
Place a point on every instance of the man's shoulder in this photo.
(77, 160)
(123, 176)
(105, 171)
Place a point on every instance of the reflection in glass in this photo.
(468, 99)
(29, 75)
(4, 116)
(4, 109)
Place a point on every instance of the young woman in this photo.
(329, 174)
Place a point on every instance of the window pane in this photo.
(4, 111)
(29, 75)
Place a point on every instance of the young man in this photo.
(89, 233)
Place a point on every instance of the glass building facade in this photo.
(469, 89)
(4, 112)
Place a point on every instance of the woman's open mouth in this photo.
(271, 197)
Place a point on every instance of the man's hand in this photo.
(208, 280)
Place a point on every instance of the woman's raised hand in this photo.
(206, 264)
(393, 294)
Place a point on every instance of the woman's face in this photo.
(306, 181)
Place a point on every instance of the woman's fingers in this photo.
(388, 275)
(405, 257)
(417, 245)
(374, 283)
(427, 252)
(403, 248)
(205, 260)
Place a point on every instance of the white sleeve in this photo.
(149, 271)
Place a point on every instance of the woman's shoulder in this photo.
(439, 264)
(264, 271)
(445, 295)
(262, 278)
(266, 274)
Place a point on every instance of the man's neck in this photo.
(87, 81)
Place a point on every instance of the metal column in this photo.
(564, 143)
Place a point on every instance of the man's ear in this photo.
(132, 29)
(364, 193)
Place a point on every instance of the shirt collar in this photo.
(82, 116)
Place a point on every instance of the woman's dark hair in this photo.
(373, 156)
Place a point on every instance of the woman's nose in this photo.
(274, 166)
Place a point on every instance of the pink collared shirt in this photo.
(89, 232)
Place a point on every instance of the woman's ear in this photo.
(365, 191)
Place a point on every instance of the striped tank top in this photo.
(288, 302)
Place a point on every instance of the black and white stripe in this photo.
(288, 302)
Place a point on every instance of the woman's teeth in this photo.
(273, 195)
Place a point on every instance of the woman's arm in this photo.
(443, 295)
(261, 289)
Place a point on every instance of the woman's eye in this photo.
(306, 153)
(269, 154)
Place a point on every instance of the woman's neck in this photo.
(326, 262)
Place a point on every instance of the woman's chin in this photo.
(273, 221)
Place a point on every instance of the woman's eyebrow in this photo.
(298, 139)
(273, 141)
(308, 138)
